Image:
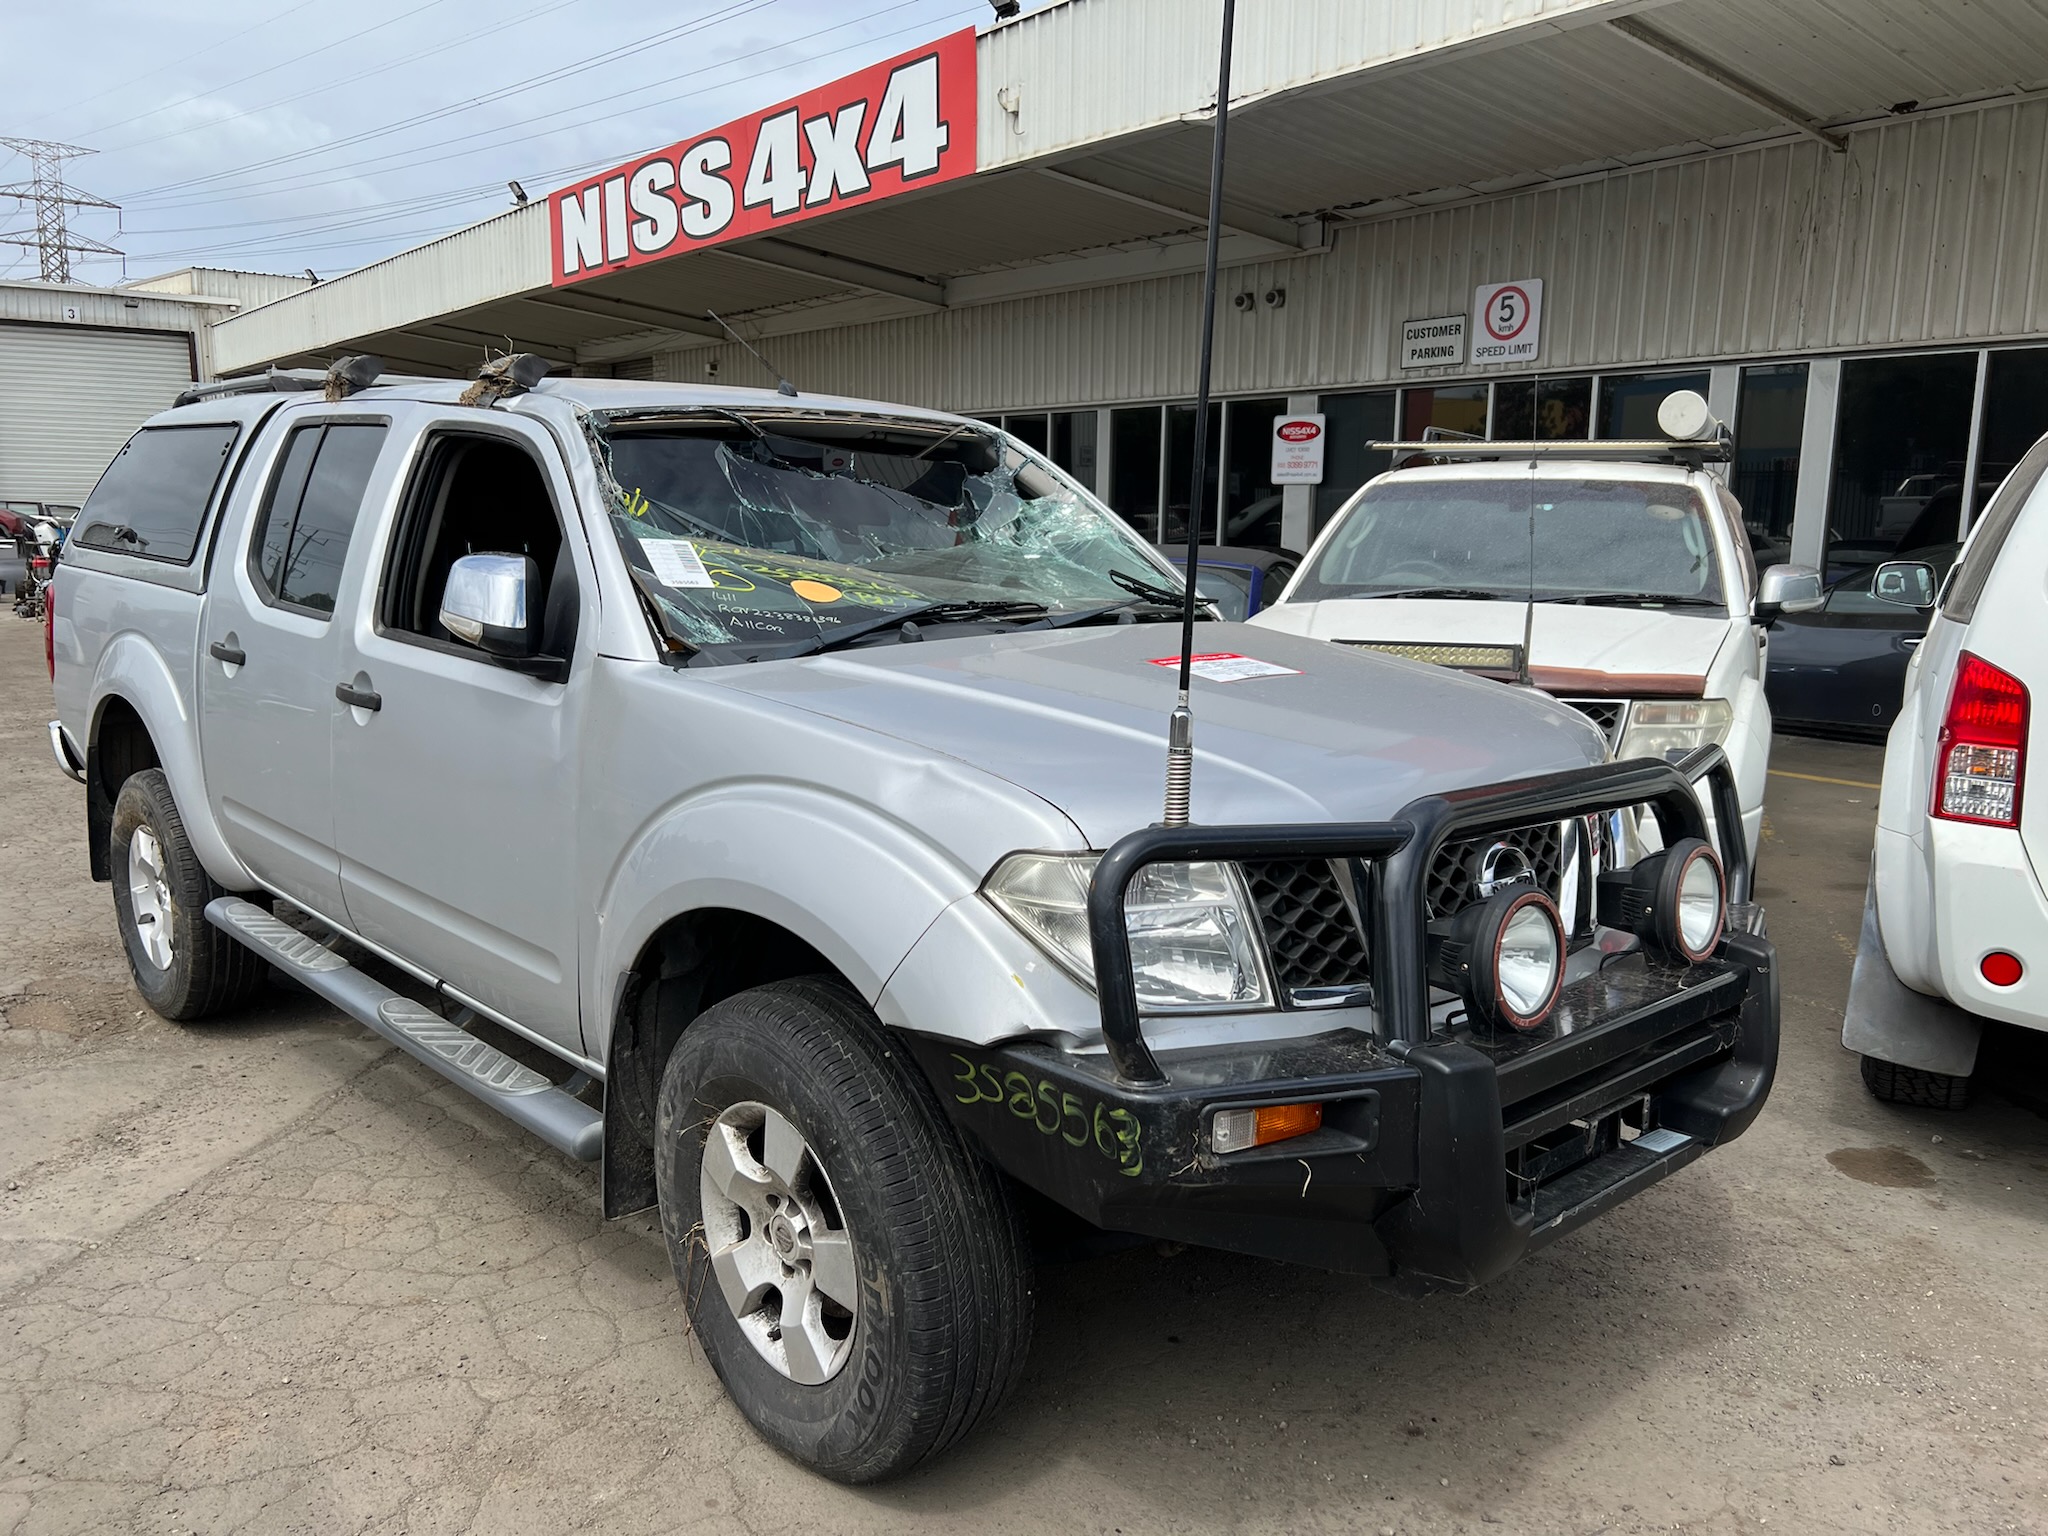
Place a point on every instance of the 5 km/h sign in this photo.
(1507, 322)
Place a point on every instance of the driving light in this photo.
(1675, 900)
(1237, 1130)
(1504, 956)
(1192, 944)
(1664, 728)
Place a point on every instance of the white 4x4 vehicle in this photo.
(1955, 928)
(1623, 585)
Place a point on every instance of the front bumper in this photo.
(1444, 1156)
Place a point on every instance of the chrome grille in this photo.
(1454, 873)
(1310, 933)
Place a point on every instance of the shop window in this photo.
(1901, 433)
(2015, 416)
(1180, 470)
(1073, 445)
(1251, 502)
(1350, 424)
(1454, 407)
(1770, 420)
(1629, 401)
(1032, 431)
(1564, 408)
(1134, 467)
(1514, 410)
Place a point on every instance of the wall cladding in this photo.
(1930, 229)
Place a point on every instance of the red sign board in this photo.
(906, 122)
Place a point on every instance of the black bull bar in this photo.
(1400, 851)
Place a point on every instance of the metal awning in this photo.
(1093, 140)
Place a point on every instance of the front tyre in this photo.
(858, 1278)
(184, 967)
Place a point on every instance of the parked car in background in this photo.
(1841, 668)
(1619, 580)
(1238, 581)
(18, 520)
(1955, 925)
(764, 793)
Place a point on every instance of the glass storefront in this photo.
(1770, 419)
(1629, 401)
(2015, 415)
(1073, 445)
(1350, 424)
(1251, 502)
(1180, 472)
(1902, 432)
(1453, 407)
(1134, 467)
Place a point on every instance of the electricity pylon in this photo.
(53, 238)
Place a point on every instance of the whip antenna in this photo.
(1180, 735)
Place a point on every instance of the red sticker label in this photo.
(1299, 431)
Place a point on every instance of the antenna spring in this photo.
(1180, 764)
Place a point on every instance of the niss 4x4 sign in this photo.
(906, 122)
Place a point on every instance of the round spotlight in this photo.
(1505, 957)
(1688, 903)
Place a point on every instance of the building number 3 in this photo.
(1056, 1112)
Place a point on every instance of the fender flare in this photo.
(857, 885)
(134, 671)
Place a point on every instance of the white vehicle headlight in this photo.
(1662, 727)
(1193, 943)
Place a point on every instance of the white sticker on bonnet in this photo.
(1227, 667)
(676, 563)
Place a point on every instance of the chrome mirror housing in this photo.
(485, 603)
(1787, 589)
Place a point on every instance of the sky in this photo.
(281, 135)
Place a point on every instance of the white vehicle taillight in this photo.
(1980, 762)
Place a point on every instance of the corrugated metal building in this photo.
(1826, 214)
(82, 367)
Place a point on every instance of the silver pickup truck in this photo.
(760, 794)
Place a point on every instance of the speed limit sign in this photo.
(1507, 321)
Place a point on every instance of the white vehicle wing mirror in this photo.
(1908, 583)
(487, 603)
(1787, 589)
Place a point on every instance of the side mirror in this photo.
(486, 604)
(1908, 583)
(1787, 589)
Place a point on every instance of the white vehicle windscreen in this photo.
(1560, 540)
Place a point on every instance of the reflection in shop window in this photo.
(1251, 502)
(1134, 467)
(1073, 445)
(1514, 410)
(1629, 401)
(1564, 408)
(1180, 471)
(1452, 407)
(1350, 422)
(2015, 415)
(1770, 420)
(1901, 433)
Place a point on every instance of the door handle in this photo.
(233, 655)
(1911, 642)
(358, 698)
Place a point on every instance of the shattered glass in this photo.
(781, 538)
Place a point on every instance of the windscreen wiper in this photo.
(949, 612)
(1666, 599)
(1457, 594)
(1126, 611)
(1138, 586)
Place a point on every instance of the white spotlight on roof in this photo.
(1685, 417)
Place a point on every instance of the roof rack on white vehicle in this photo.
(1692, 437)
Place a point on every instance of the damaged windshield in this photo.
(776, 537)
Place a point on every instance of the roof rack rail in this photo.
(276, 381)
(1692, 453)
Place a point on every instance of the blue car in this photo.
(1238, 581)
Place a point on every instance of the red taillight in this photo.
(1980, 762)
(50, 629)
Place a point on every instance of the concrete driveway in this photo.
(270, 1275)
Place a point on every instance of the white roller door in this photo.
(70, 397)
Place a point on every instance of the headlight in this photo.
(1192, 940)
(1673, 727)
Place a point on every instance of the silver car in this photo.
(762, 792)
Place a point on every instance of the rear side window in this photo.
(1990, 536)
(153, 498)
(302, 539)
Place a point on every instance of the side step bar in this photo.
(515, 1091)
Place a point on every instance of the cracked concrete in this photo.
(271, 1276)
